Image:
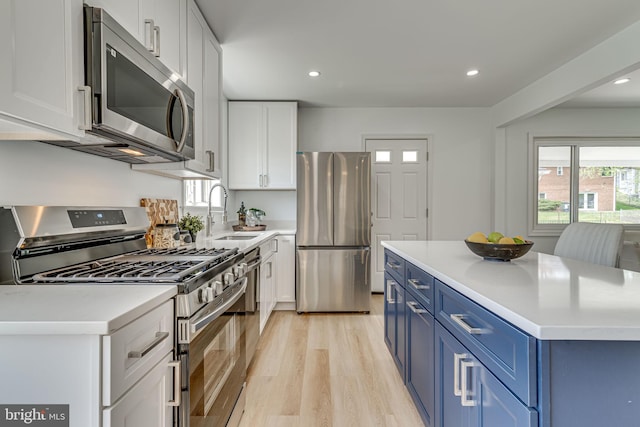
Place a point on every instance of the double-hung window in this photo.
(599, 182)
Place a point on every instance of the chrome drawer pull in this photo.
(457, 357)
(416, 284)
(160, 336)
(393, 265)
(177, 383)
(459, 319)
(466, 398)
(390, 284)
(414, 307)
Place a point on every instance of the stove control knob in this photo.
(238, 270)
(205, 295)
(218, 287)
(229, 278)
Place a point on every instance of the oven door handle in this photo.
(196, 324)
(250, 267)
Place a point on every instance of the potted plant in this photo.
(192, 224)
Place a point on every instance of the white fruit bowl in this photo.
(499, 252)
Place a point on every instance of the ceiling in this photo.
(407, 53)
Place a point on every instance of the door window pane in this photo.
(609, 185)
(554, 206)
(383, 156)
(409, 156)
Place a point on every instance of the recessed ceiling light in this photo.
(622, 81)
(472, 73)
(314, 73)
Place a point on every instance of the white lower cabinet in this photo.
(138, 373)
(146, 404)
(286, 273)
(268, 252)
(124, 379)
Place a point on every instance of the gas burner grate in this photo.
(175, 265)
(126, 271)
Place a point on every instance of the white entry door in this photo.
(399, 196)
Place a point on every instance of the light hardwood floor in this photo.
(326, 370)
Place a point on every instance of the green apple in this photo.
(495, 236)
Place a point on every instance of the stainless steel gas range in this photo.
(89, 245)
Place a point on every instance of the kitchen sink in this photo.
(236, 237)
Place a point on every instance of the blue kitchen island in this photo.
(538, 341)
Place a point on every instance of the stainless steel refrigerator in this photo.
(333, 232)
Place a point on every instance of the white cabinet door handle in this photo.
(139, 354)
(156, 41)
(212, 161)
(149, 36)
(177, 383)
(86, 92)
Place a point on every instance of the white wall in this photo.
(585, 121)
(460, 161)
(36, 173)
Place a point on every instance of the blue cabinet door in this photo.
(469, 394)
(497, 406)
(389, 314)
(420, 363)
(448, 355)
(394, 324)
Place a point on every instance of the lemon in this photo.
(477, 237)
(506, 241)
(495, 236)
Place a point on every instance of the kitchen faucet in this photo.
(210, 221)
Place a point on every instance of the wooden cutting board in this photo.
(159, 211)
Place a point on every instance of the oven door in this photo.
(214, 365)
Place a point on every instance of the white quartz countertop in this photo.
(549, 297)
(76, 309)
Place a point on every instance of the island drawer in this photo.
(505, 350)
(394, 264)
(132, 351)
(421, 283)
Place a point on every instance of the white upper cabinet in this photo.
(41, 68)
(263, 139)
(204, 76)
(160, 25)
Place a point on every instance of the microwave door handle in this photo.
(185, 120)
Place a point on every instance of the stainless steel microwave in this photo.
(143, 110)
